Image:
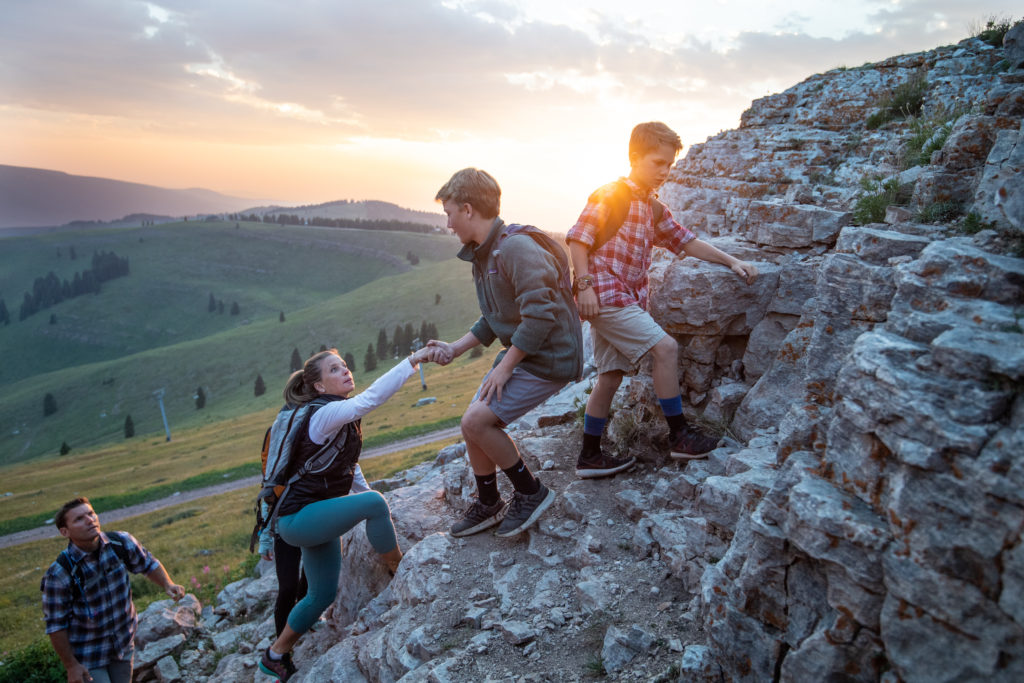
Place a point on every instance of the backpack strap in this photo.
(618, 208)
(548, 243)
(117, 543)
(319, 461)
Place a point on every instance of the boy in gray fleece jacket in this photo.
(525, 306)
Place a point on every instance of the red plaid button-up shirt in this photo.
(620, 266)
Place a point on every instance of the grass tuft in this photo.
(878, 195)
(904, 101)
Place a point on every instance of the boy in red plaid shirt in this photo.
(611, 285)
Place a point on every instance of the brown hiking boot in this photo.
(689, 444)
(600, 464)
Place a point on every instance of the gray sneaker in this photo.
(479, 517)
(525, 510)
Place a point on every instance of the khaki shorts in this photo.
(622, 336)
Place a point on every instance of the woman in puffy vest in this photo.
(318, 510)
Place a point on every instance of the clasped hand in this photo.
(429, 354)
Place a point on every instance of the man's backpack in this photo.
(279, 469)
(618, 209)
(545, 240)
(120, 547)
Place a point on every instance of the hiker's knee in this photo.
(666, 351)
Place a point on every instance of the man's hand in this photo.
(443, 354)
(747, 271)
(586, 303)
(175, 591)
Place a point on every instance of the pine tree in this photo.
(49, 405)
(129, 427)
(200, 399)
(437, 299)
(280, 318)
(259, 388)
(64, 448)
(234, 308)
(396, 341)
(220, 306)
(211, 305)
(407, 336)
(5, 317)
(296, 363)
(382, 344)
(370, 361)
(350, 361)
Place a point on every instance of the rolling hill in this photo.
(102, 356)
(33, 198)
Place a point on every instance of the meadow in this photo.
(204, 544)
(105, 355)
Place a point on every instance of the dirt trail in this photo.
(109, 516)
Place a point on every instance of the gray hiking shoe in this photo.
(600, 464)
(479, 517)
(525, 510)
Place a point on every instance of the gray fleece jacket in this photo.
(523, 304)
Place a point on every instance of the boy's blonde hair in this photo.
(647, 137)
(475, 187)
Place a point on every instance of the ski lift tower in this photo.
(159, 395)
(416, 346)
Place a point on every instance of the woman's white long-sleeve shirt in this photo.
(326, 421)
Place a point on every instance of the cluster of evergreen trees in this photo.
(366, 223)
(400, 344)
(50, 290)
(215, 305)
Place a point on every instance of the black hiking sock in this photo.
(487, 488)
(591, 444)
(522, 478)
(676, 423)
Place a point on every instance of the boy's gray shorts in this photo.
(522, 393)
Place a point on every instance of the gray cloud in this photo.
(402, 68)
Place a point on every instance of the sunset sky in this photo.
(309, 101)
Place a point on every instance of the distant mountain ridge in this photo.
(33, 197)
(368, 209)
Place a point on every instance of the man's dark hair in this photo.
(61, 519)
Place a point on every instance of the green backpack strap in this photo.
(618, 209)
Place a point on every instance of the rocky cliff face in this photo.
(862, 522)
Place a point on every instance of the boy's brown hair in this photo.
(647, 137)
(61, 517)
(475, 187)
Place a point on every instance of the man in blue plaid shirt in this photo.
(87, 597)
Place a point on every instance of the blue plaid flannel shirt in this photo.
(101, 628)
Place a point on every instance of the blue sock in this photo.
(673, 409)
(595, 425)
(671, 406)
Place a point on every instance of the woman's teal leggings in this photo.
(317, 529)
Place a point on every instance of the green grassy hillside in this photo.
(265, 268)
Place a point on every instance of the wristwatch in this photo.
(582, 282)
